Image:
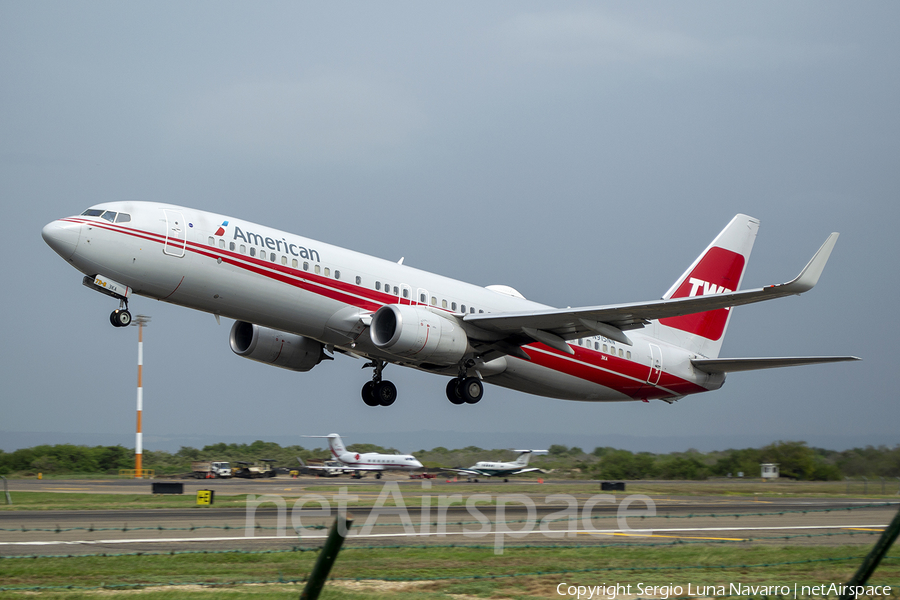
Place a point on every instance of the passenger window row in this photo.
(273, 257)
(318, 270)
(607, 349)
(423, 298)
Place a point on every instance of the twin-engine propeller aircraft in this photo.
(370, 461)
(486, 468)
(296, 301)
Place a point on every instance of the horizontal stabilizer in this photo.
(733, 365)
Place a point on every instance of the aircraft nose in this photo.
(62, 237)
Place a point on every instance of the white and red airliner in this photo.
(358, 463)
(297, 301)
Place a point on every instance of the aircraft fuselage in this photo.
(289, 283)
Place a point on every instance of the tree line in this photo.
(796, 460)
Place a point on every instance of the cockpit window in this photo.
(110, 215)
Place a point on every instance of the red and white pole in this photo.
(140, 321)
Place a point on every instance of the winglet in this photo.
(809, 276)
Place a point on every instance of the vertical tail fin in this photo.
(336, 445)
(719, 269)
(524, 457)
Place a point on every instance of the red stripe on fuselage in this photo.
(621, 375)
(624, 376)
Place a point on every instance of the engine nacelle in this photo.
(419, 334)
(285, 350)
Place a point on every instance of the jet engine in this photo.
(285, 350)
(417, 333)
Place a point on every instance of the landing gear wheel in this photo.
(377, 475)
(368, 394)
(385, 393)
(453, 394)
(378, 392)
(471, 390)
(120, 318)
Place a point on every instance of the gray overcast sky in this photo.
(581, 153)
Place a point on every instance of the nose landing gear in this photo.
(121, 317)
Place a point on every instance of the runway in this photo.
(296, 513)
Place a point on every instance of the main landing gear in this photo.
(121, 317)
(460, 390)
(378, 392)
(464, 390)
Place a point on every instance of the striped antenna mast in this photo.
(140, 321)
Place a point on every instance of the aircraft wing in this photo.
(528, 470)
(345, 468)
(464, 471)
(317, 467)
(553, 326)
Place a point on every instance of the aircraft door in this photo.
(655, 364)
(421, 297)
(175, 233)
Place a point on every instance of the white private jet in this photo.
(370, 461)
(485, 468)
(296, 300)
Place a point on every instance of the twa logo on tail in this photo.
(705, 288)
(719, 271)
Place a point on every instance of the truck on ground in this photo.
(207, 469)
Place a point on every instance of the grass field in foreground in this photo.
(437, 572)
(84, 501)
(412, 492)
(426, 573)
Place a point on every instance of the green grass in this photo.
(413, 573)
(368, 494)
(82, 501)
(436, 572)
